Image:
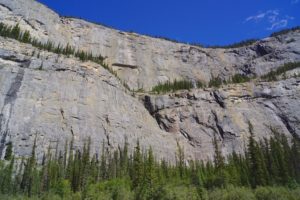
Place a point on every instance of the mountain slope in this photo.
(55, 97)
(157, 59)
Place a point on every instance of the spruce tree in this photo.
(218, 157)
(137, 174)
(258, 172)
(9, 151)
(180, 160)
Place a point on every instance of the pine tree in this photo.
(124, 159)
(295, 154)
(103, 163)
(15, 32)
(258, 172)
(137, 175)
(180, 160)
(218, 157)
(150, 175)
(26, 38)
(9, 151)
(27, 179)
(6, 182)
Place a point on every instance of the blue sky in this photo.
(208, 22)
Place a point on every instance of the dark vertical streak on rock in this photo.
(14, 88)
(9, 100)
(220, 129)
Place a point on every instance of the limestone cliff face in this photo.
(158, 60)
(55, 98)
(198, 115)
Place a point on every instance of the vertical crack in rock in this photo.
(160, 122)
(107, 136)
(9, 100)
(219, 127)
(219, 99)
(284, 119)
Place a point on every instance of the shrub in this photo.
(274, 193)
(116, 189)
(232, 193)
(272, 75)
(239, 78)
(215, 82)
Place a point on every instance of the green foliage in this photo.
(258, 171)
(239, 78)
(242, 43)
(272, 76)
(232, 193)
(76, 174)
(173, 86)
(9, 151)
(275, 193)
(16, 33)
(215, 82)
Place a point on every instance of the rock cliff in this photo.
(157, 59)
(56, 98)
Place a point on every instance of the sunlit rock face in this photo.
(56, 98)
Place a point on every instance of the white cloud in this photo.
(278, 24)
(272, 17)
(295, 1)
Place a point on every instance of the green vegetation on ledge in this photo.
(217, 82)
(16, 33)
(272, 76)
(176, 85)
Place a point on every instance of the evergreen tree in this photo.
(180, 160)
(26, 38)
(258, 172)
(218, 157)
(27, 179)
(9, 151)
(137, 174)
(15, 32)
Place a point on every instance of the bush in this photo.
(276, 193)
(63, 188)
(116, 189)
(239, 78)
(215, 82)
(180, 192)
(232, 193)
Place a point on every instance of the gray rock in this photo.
(135, 57)
(198, 119)
(67, 99)
(57, 98)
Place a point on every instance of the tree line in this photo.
(273, 162)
